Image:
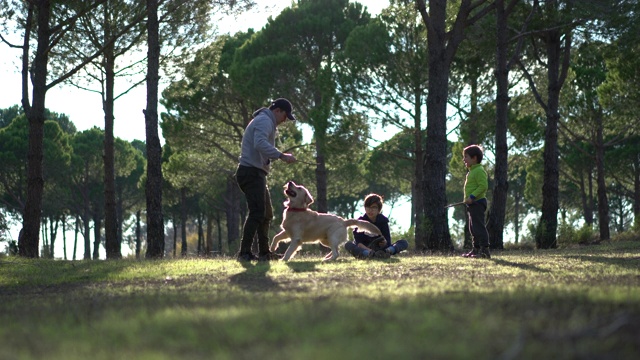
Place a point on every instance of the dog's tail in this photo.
(363, 226)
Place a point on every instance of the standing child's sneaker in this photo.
(473, 253)
(483, 253)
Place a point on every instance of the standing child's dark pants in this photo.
(479, 233)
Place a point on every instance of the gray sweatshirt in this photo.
(258, 141)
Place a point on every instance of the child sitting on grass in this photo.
(367, 247)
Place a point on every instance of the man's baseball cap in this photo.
(283, 104)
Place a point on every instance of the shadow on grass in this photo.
(302, 266)
(519, 265)
(254, 278)
(627, 263)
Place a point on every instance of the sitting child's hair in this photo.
(373, 199)
(474, 151)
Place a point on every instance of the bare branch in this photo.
(9, 44)
(532, 86)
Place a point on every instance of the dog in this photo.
(303, 225)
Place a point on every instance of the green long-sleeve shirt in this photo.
(476, 183)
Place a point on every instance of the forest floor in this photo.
(575, 302)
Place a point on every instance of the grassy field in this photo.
(579, 302)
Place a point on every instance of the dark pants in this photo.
(358, 252)
(479, 233)
(253, 183)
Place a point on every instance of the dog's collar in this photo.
(296, 209)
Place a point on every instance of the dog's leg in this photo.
(333, 242)
(291, 250)
(276, 240)
(332, 255)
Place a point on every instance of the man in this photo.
(258, 150)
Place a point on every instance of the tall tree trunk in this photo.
(45, 241)
(586, 204)
(119, 219)
(516, 215)
(155, 222)
(28, 242)
(64, 237)
(75, 237)
(321, 171)
(208, 248)
(442, 47)
(219, 227)
(175, 235)
(200, 235)
(603, 202)
(558, 50)
(591, 199)
(436, 226)
(110, 220)
(495, 224)
(548, 226)
(417, 199)
(138, 234)
(54, 222)
(183, 221)
(636, 188)
(97, 226)
(86, 218)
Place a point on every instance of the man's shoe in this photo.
(471, 253)
(269, 256)
(381, 254)
(483, 253)
(247, 257)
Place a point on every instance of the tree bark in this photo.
(75, 237)
(200, 234)
(138, 234)
(584, 198)
(87, 214)
(417, 184)
(495, 223)
(548, 226)
(208, 249)
(112, 245)
(183, 221)
(97, 226)
(321, 170)
(155, 221)
(603, 202)
(29, 239)
(636, 189)
(436, 234)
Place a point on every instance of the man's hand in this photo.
(288, 158)
(468, 201)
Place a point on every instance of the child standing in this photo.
(366, 247)
(475, 191)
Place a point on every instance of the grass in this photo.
(579, 302)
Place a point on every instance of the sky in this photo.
(84, 108)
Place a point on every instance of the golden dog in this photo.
(303, 225)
